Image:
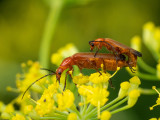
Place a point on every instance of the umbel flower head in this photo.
(87, 99)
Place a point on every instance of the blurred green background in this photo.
(22, 26)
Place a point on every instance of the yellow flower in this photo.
(158, 69)
(65, 100)
(29, 62)
(134, 82)
(9, 108)
(151, 37)
(124, 89)
(98, 96)
(23, 65)
(133, 97)
(27, 109)
(85, 90)
(72, 116)
(46, 103)
(80, 79)
(158, 99)
(136, 43)
(18, 117)
(97, 78)
(56, 58)
(106, 115)
(153, 119)
(29, 77)
(62, 53)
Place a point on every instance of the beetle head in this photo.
(92, 45)
(58, 73)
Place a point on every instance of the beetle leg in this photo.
(67, 73)
(94, 64)
(96, 52)
(104, 66)
(132, 70)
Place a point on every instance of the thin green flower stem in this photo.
(74, 109)
(94, 111)
(148, 91)
(93, 118)
(107, 105)
(120, 109)
(49, 30)
(147, 76)
(90, 107)
(117, 104)
(111, 103)
(81, 107)
(57, 114)
(62, 113)
(52, 118)
(84, 108)
(146, 67)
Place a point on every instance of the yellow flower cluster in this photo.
(62, 53)
(151, 36)
(158, 99)
(49, 101)
(65, 100)
(31, 73)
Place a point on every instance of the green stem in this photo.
(120, 109)
(62, 113)
(84, 109)
(117, 104)
(90, 107)
(49, 30)
(74, 109)
(148, 91)
(147, 76)
(94, 111)
(111, 103)
(146, 67)
(52, 118)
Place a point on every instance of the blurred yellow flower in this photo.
(106, 115)
(65, 100)
(72, 116)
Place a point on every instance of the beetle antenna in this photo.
(47, 70)
(37, 81)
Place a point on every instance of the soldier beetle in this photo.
(117, 48)
(87, 60)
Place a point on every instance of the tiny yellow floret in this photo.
(133, 97)
(149, 26)
(124, 86)
(9, 108)
(153, 119)
(72, 116)
(28, 109)
(18, 117)
(106, 115)
(29, 62)
(97, 78)
(135, 80)
(80, 79)
(136, 43)
(23, 65)
(65, 100)
(158, 99)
